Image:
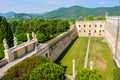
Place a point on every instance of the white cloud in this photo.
(101, 3)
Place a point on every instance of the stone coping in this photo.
(22, 45)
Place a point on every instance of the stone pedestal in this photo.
(91, 65)
(7, 55)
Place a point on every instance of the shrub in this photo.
(48, 71)
(22, 37)
(41, 37)
(22, 69)
(86, 74)
(116, 73)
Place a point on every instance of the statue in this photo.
(33, 35)
(15, 41)
(5, 44)
(28, 38)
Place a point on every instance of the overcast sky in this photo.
(41, 6)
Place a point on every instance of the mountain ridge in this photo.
(77, 11)
(72, 12)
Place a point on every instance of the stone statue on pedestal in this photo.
(33, 35)
(28, 37)
(15, 41)
(5, 44)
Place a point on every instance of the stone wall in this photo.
(18, 51)
(3, 62)
(55, 47)
(111, 28)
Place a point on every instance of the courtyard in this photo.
(99, 53)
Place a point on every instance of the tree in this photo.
(5, 32)
(90, 17)
(22, 37)
(86, 74)
(48, 71)
(41, 37)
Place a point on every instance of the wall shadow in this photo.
(64, 52)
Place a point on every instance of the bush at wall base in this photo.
(48, 71)
(87, 74)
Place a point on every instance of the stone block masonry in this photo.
(54, 49)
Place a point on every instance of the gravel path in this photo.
(87, 54)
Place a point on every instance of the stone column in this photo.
(35, 49)
(91, 65)
(28, 38)
(73, 62)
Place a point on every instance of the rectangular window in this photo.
(89, 25)
(84, 25)
(84, 30)
(95, 31)
(95, 25)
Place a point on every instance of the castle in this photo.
(108, 29)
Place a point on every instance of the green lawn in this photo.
(101, 55)
(75, 51)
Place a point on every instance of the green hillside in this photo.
(78, 11)
(22, 16)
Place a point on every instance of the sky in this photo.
(41, 6)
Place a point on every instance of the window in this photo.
(95, 25)
(79, 25)
(84, 30)
(89, 30)
(84, 25)
(95, 31)
(103, 31)
(100, 25)
(46, 55)
(79, 30)
(89, 25)
(100, 31)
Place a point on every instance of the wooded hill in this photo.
(78, 11)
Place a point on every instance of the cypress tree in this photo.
(5, 32)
